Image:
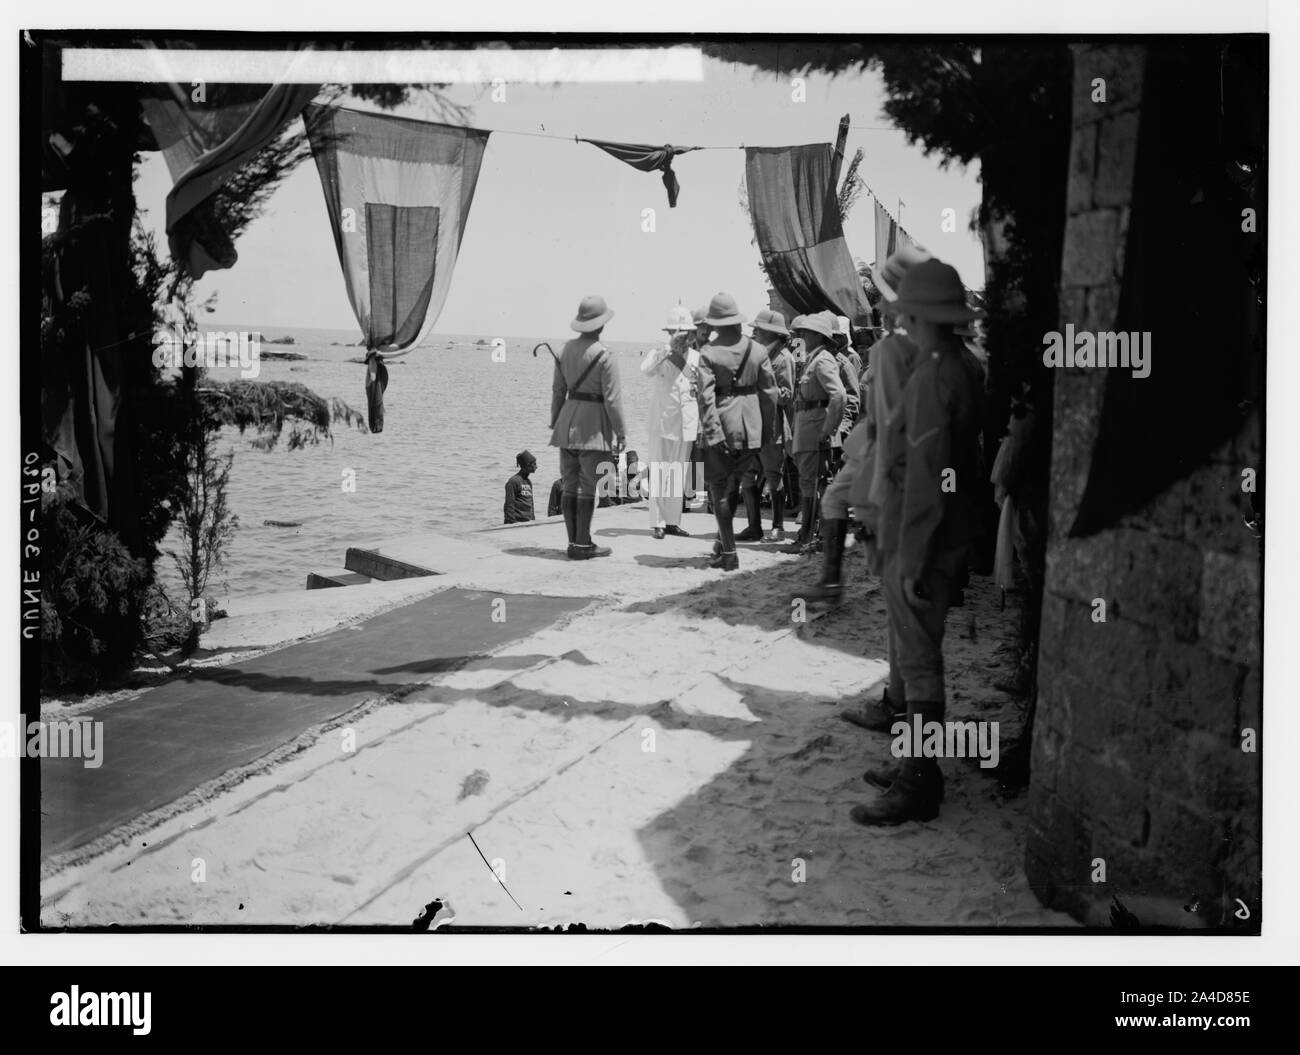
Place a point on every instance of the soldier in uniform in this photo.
(790, 476)
(892, 360)
(859, 447)
(928, 520)
(850, 367)
(586, 422)
(849, 346)
(738, 411)
(818, 411)
(769, 330)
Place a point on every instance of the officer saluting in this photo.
(738, 414)
(818, 408)
(586, 422)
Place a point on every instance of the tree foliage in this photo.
(95, 589)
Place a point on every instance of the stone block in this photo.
(1190, 846)
(1111, 797)
(1250, 704)
(1121, 66)
(1102, 307)
(1082, 569)
(1156, 581)
(1091, 239)
(1051, 629)
(1191, 688)
(1083, 162)
(1117, 138)
(1230, 606)
(1207, 772)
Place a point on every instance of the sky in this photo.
(554, 220)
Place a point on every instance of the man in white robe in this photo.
(673, 422)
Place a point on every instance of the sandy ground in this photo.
(672, 753)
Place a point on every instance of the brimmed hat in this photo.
(697, 316)
(888, 275)
(593, 313)
(679, 319)
(932, 291)
(772, 322)
(724, 311)
(823, 322)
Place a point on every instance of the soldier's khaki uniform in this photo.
(585, 418)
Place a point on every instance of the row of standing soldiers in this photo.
(909, 470)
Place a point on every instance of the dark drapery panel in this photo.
(793, 207)
(402, 243)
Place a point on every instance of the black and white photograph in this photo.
(660, 482)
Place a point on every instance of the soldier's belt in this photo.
(811, 404)
(586, 397)
(738, 390)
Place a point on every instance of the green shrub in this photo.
(92, 593)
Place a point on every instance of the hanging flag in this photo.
(796, 218)
(203, 150)
(398, 193)
(886, 235)
(648, 159)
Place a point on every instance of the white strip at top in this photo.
(478, 66)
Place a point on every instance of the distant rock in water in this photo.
(482, 343)
(282, 523)
(297, 369)
(281, 355)
(281, 340)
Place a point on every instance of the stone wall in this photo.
(1138, 763)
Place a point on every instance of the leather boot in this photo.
(754, 532)
(724, 550)
(568, 507)
(831, 585)
(583, 548)
(777, 534)
(914, 795)
(807, 516)
(813, 515)
(917, 788)
(883, 777)
(879, 715)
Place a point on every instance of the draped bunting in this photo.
(890, 237)
(797, 221)
(648, 159)
(398, 193)
(203, 148)
(886, 235)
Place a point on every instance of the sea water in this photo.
(454, 420)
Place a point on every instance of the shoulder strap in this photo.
(740, 370)
(590, 366)
(807, 365)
